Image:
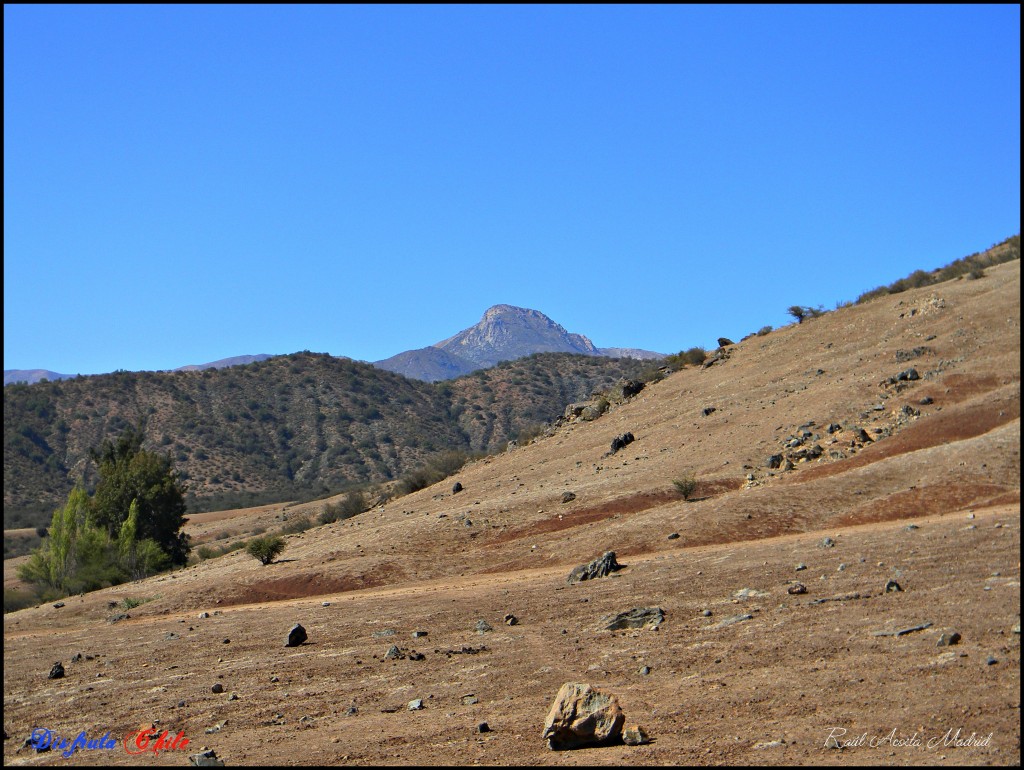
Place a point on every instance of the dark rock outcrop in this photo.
(598, 568)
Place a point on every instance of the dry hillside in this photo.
(917, 481)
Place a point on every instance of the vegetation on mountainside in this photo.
(303, 426)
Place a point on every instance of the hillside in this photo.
(289, 427)
(819, 460)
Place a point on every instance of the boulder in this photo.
(635, 735)
(57, 672)
(296, 636)
(582, 716)
(568, 497)
(638, 617)
(724, 342)
(598, 568)
(456, 487)
(620, 442)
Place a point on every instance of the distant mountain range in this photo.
(30, 376)
(505, 333)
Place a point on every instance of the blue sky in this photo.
(183, 184)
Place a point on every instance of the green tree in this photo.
(129, 473)
(77, 556)
(266, 549)
(139, 558)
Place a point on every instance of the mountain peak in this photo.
(504, 333)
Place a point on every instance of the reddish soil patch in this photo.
(921, 502)
(303, 585)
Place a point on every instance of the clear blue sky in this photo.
(183, 184)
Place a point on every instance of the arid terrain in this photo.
(917, 482)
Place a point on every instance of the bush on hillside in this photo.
(266, 549)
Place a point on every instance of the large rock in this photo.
(582, 716)
(600, 567)
(638, 617)
(296, 636)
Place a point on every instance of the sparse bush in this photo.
(686, 485)
(974, 275)
(764, 330)
(296, 525)
(266, 549)
(205, 552)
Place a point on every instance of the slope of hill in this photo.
(292, 426)
(814, 450)
(29, 376)
(505, 333)
(32, 376)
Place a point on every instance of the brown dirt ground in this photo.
(766, 690)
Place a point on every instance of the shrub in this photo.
(297, 525)
(266, 549)
(764, 330)
(686, 486)
(351, 505)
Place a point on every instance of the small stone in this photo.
(469, 700)
(58, 605)
(217, 688)
(206, 758)
(948, 639)
(274, 679)
(828, 543)
(841, 568)
(568, 497)
(482, 627)
(990, 661)
(674, 536)
(325, 604)
(645, 670)
(418, 634)
(483, 727)
(892, 586)
(911, 527)
(416, 705)
(233, 696)
(511, 620)
(57, 671)
(226, 641)
(707, 613)
(801, 567)
(797, 588)
(393, 653)
(204, 615)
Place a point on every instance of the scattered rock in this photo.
(582, 716)
(797, 588)
(393, 653)
(482, 626)
(385, 632)
(644, 670)
(748, 593)
(416, 705)
(58, 605)
(948, 639)
(568, 497)
(990, 660)
(908, 374)
(217, 688)
(674, 536)
(119, 617)
(774, 461)
(510, 619)
(707, 613)
(325, 604)
(892, 586)
(457, 487)
(76, 658)
(57, 671)
(620, 442)
(635, 735)
(469, 700)
(418, 634)
(600, 567)
(828, 543)
(926, 401)
(708, 410)
(233, 696)
(911, 527)
(801, 567)
(206, 758)
(296, 636)
(638, 617)
(204, 615)
(483, 727)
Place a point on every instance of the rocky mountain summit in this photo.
(504, 333)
